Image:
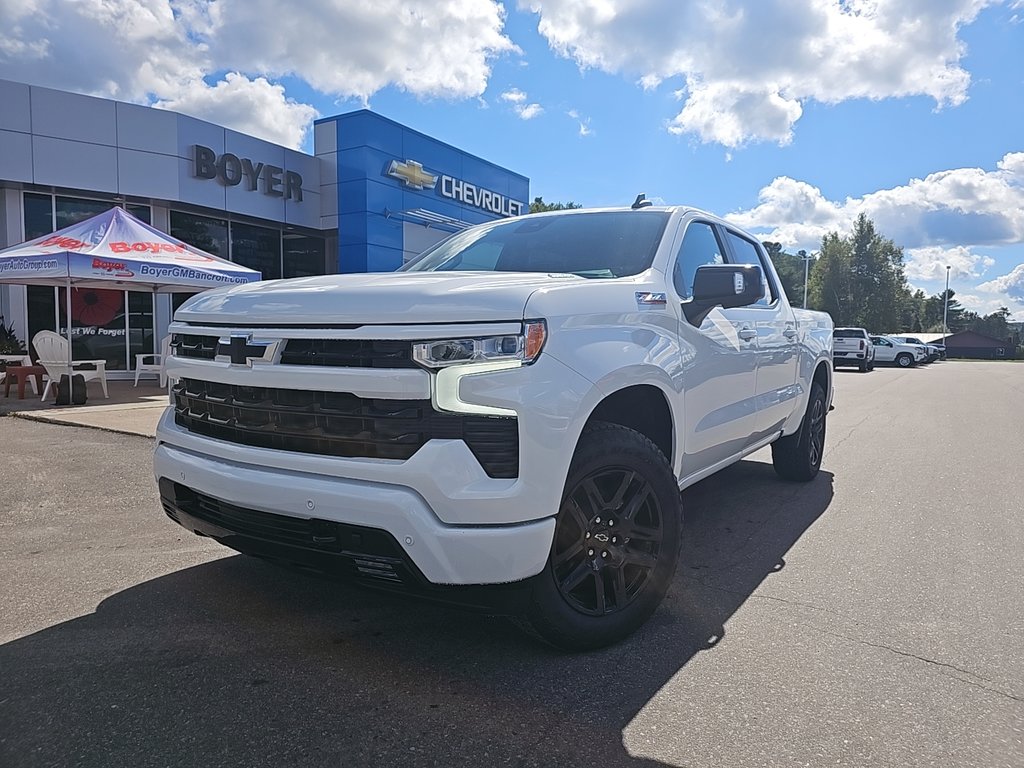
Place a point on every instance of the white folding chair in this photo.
(52, 349)
(152, 362)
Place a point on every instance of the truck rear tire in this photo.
(798, 456)
(616, 542)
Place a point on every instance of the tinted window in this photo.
(304, 255)
(257, 248)
(598, 245)
(71, 210)
(747, 252)
(700, 246)
(210, 235)
(38, 215)
(845, 333)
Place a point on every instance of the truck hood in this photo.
(372, 299)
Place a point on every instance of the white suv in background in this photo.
(889, 350)
(933, 352)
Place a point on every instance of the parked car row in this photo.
(857, 347)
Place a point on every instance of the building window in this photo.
(304, 256)
(98, 325)
(257, 248)
(206, 234)
(71, 210)
(141, 212)
(38, 215)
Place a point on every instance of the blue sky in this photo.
(790, 116)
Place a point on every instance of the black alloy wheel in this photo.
(607, 541)
(816, 432)
(798, 456)
(615, 544)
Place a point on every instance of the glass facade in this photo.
(269, 250)
(206, 234)
(304, 256)
(257, 248)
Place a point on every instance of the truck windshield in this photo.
(602, 244)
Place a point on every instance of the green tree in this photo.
(790, 268)
(994, 325)
(539, 206)
(829, 284)
(859, 279)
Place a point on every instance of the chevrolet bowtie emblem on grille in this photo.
(242, 349)
(412, 174)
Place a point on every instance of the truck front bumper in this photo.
(384, 534)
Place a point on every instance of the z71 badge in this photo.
(646, 298)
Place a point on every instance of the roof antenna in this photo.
(641, 202)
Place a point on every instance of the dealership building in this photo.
(373, 195)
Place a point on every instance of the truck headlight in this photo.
(522, 347)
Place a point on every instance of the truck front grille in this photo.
(195, 347)
(349, 353)
(337, 353)
(339, 424)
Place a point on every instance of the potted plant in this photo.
(9, 342)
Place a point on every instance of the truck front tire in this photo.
(798, 456)
(616, 542)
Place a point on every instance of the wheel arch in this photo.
(643, 408)
(823, 376)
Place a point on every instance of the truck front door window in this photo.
(747, 252)
(700, 246)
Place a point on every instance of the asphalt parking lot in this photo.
(874, 617)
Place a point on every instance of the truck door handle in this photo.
(789, 333)
(747, 334)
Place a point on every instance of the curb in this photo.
(29, 416)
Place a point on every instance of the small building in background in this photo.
(973, 345)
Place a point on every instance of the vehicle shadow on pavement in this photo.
(239, 663)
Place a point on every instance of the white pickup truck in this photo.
(505, 423)
(852, 346)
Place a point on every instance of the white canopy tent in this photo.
(115, 250)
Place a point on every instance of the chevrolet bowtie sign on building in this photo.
(414, 176)
(399, 191)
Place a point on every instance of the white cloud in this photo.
(255, 107)
(930, 263)
(529, 111)
(518, 101)
(150, 51)
(750, 67)
(959, 207)
(584, 122)
(1011, 284)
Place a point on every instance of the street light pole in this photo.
(945, 308)
(807, 261)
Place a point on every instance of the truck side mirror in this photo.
(723, 285)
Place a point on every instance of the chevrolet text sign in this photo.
(415, 176)
(230, 170)
(470, 194)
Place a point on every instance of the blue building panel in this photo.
(352, 228)
(366, 129)
(384, 231)
(389, 174)
(442, 158)
(380, 258)
(363, 163)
